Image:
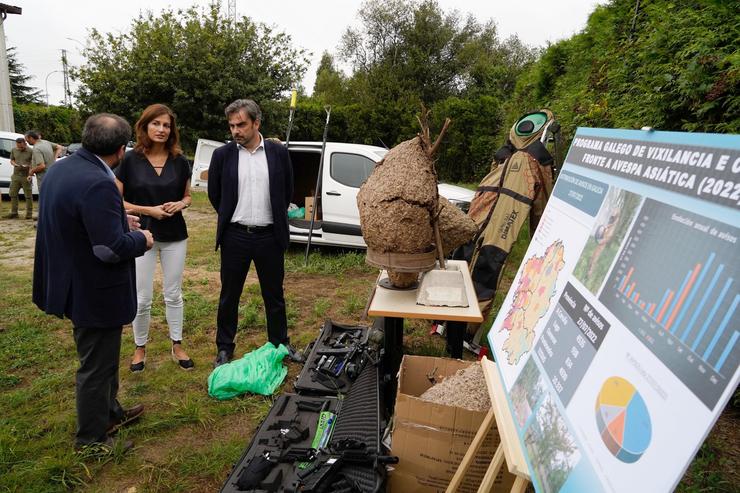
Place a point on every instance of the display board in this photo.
(618, 341)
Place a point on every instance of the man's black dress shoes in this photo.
(129, 416)
(222, 358)
(294, 355)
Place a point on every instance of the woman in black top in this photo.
(154, 179)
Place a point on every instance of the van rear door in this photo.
(344, 173)
(202, 161)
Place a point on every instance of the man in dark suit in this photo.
(84, 269)
(250, 184)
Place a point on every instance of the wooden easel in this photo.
(509, 449)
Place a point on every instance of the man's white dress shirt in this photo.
(253, 204)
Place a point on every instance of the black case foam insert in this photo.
(289, 412)
(348, 344)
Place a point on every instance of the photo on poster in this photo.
(609, 230)
(551, 448)
(527, 390)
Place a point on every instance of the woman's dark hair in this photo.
(144, 143)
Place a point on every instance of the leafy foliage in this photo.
(330, 86)
(56, 123)
(678, 69)
(670, 65)
(408, 52)
(408, 49)
(194, 61)
(20, 91)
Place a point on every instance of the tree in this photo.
(330, 86)
(195, 61)
(20, 91)
(407, 48)
(500, 64)
(675, 68)
(384, 22)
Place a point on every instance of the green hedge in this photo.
(464, 156)
(56, 123)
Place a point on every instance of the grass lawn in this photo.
(187, 441)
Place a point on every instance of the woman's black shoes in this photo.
(185, 364)
(138, 367)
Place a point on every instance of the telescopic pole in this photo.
(318, 182)
(293, 97)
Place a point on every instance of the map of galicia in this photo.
(531, 300)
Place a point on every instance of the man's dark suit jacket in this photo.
(223, 187)
(84, 263)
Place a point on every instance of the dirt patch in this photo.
(192, 215)
(305, 289)
(17, 241)
(204, 276)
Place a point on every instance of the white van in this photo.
(7, 144)
(346, 167)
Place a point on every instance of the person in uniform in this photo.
(20, 159)
(45, 153)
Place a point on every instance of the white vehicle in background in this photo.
(346, 167)
(7, 144)
(76, 146)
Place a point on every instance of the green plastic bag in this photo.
(298, 213)
(258, 372)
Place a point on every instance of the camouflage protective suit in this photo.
(517, 187)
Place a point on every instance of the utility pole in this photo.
(46, 85)
(65, 69)
(6, 100)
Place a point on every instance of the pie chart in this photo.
(623, 420)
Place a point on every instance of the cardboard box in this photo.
(431, 439)
(309, 208)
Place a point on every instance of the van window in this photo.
(350, 169)
(205, 155)
(6, 145)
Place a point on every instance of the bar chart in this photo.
(675, 286)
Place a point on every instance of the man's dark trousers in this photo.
(97, 382)
(238, 249)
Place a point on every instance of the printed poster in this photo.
(618, 340)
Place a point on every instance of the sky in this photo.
(47, 27)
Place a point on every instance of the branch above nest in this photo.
(426, 140)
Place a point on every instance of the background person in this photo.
(154, 179)
(20, 159)
(45, 154)
(84, 270)
(250, 184)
